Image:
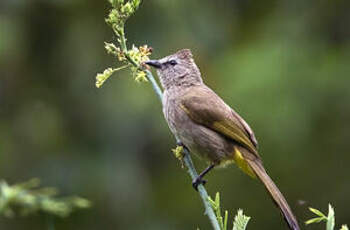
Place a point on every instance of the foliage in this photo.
(132, 58)
(27, 198)
(329, 219)
(240, 222)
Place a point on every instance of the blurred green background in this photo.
(283, 65)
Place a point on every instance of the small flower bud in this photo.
(140, 76)
(127, 9)
(111, 48)
(102, 77)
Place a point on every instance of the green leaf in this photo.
(221, 223)
(330, 218)
(344, 227)
(217, 203)
(225, 220)
(317, 212)
(212, 203)
(241, 221)
(318, 219)
(315, 220)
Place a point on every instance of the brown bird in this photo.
(210, 128)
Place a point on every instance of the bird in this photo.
(208, 127)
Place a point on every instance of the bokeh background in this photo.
(283, 65)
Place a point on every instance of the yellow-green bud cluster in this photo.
(179, 154)
(102, 77)
(134, 57)
(139, 55)
(120, 13)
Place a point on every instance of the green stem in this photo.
(187, 158)
(202, 191)
(125, 49)
(155, 85)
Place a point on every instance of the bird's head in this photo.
(178, 69)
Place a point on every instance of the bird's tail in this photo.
(275, 193)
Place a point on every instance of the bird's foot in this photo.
(197, 182)
(179, 143)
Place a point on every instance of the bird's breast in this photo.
(199, 139)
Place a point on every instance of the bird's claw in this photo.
(179, 143)
(197, 182)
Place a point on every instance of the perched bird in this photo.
(208, 127)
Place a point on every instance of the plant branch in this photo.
(201, 190)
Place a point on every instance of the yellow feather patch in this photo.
(234, 133)
(242, 163)
(225, 162)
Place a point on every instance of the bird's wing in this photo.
(246, 128)
(206, 108)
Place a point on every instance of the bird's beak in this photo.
(155, 63)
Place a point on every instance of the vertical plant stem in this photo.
(202, 191)
(155, 85)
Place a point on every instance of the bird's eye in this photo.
(172, 62)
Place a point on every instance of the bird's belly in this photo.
(200, 140)
(209, 145)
